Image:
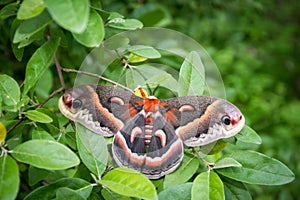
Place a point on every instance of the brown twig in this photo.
(59, 71)
(15, 125)
(50, 96)
(38, 106)
(201, 158)
(57, 64)
(97, 76)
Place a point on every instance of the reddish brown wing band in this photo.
(201, 120)
(148, 132)
(100, 108)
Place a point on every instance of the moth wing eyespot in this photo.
(117, 100)
(76, 103)
(186, 107)
(226, 120)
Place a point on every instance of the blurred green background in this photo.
(255, 45)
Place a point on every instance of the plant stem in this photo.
(50, 96)
(97, 76)
(201, 158)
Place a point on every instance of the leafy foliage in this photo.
(257, 59)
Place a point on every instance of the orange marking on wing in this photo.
(171, 117)
(103, 110)
(132, 111)
(194, 124)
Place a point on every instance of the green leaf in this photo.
(114, 15)
(14, 108)
(133, 78)
(153, 15)
(96, 4)
(144, 51)
(109, 195)
(70, 139)
(82, 172)
(82, 187)
(235, 190)
(15, 137)
(191, 76)
(39, 63)
(177, 192)
(35, 175)
(45, 154)
(94, 32)
(92, 150)
(183, 173)
(226, 162)
(37, 36)
(57, 32)
(135, 58)
(214, 148)
(52, 115)
(9, 90)
(155, 75)
(50, 127)
(18, 52)
(115, 42)
(30, 8)
(9, 10)
(44, 85)
(208, 185)
(257, 168)
(70, 14)
(248, 135)
(162, 79)
(67, 193)
(129, 182)
(41, 135)
(31, 26)
(125, 24)
(9, 178)
(37, 116)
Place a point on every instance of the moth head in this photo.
(227, 118)
(75, 100)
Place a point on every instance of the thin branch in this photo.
(50, 96)
(203, 160)
(73, 125)
(59, 71)
(15, 125)
(67, 124)
(97, 76)
(38, 106)
(57, 64)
